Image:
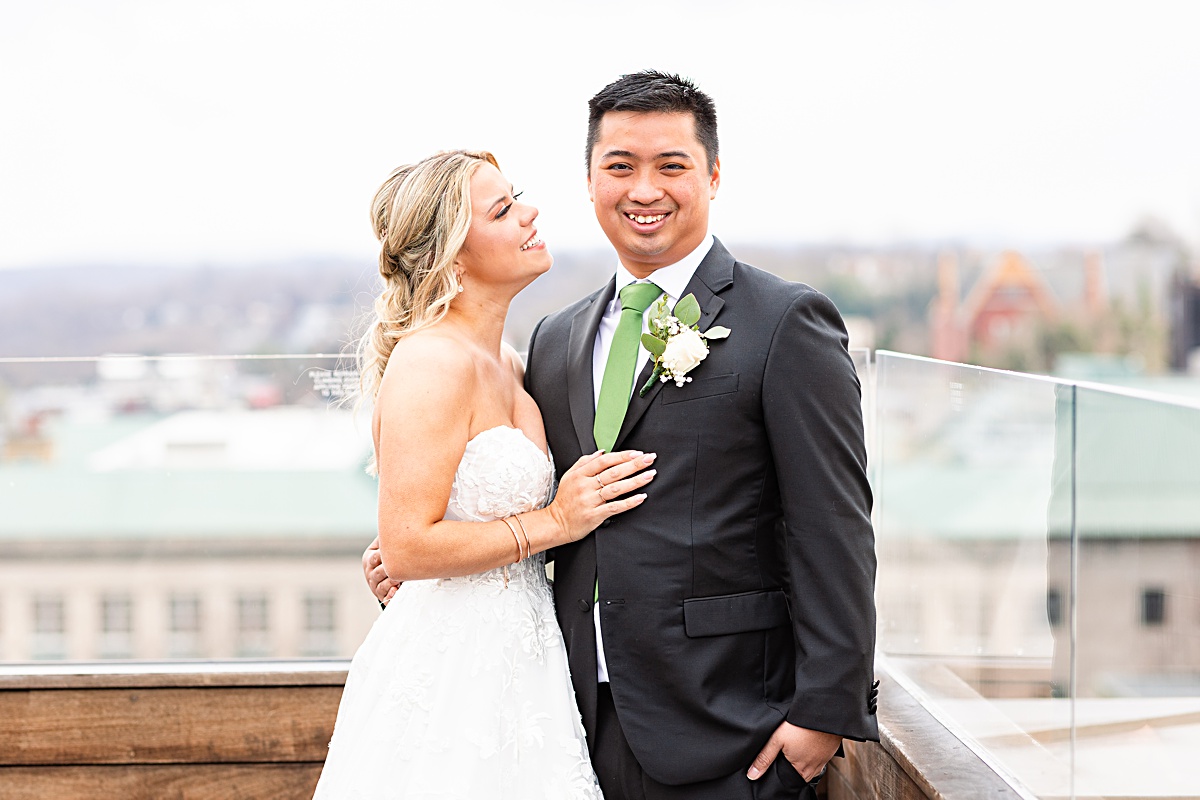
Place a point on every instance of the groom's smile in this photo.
(650, 187)
(646, 222)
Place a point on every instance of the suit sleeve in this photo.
(549, 556)
(813, 415)
(528, 382)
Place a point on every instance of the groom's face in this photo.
(650, 187)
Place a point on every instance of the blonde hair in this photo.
(420, 215)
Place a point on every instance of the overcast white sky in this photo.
(226, 131)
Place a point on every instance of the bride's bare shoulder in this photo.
(431, 350)
(430, 366)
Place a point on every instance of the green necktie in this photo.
(617, 385)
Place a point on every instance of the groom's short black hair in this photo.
(652, 91)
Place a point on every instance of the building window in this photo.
(49, 627)
(253, 626)
(184, 621)
(1154, 607)
(116, 626)
(1054, 607)
(320, 626)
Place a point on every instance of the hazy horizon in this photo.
(230, 133)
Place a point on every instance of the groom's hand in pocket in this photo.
(808, 751)
(381, 585)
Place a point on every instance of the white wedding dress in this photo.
(461, 689)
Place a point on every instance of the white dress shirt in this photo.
(672, 279)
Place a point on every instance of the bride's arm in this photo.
(425, 405)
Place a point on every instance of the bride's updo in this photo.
(420, 215)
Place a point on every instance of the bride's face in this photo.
(502, 245)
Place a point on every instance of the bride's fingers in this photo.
(626, 468)
(624, 504)
(603, 461)
(586, 493)
(615, 489)
(583, 461)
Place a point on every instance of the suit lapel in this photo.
(714, 274)
(581, 390)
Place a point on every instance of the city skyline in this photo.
(231, 133)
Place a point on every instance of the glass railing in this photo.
(1135, 663)
(1038, 540)
(1039, 565)
(185, 507)
(182, 507)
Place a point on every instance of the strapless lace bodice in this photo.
(501, 473)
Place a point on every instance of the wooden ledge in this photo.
(172, 674)
(916, 758)
(148, 731)
(143, 730)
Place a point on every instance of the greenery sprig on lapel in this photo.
(675, 341)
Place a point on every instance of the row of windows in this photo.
(116, 613)
(186, 624)
(1153, 607)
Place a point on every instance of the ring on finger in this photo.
(600, 492)
(602, 483)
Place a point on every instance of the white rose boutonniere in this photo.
(675, 342)
(684, 352)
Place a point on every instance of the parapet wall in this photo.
(154, 731)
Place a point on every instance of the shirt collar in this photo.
(673, 278)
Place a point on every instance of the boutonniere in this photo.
(675, 342)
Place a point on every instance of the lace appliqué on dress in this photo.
(461, 690)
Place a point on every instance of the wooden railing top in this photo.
(266, 725)
(176, 674)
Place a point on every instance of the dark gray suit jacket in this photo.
(740, 593)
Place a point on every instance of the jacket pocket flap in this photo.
(701, 387)
(735, 613)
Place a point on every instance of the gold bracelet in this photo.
(515, 537)
(528, 549)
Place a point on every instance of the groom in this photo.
(721, 634)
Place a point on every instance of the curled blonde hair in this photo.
(420, 215)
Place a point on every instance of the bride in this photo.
(461, 688)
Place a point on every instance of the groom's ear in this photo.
(591, 191)
(714, 180)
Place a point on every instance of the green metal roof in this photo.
(69, 498)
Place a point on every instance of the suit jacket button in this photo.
(606, 523)
(584, 605)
